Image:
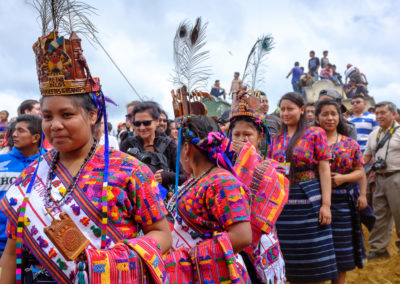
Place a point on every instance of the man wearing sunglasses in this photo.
(364, 121)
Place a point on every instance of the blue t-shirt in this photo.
(296, 73)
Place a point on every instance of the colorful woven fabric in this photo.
(133, 200)
(311, 148)
(346, 155)
(211, 261)
(269, 193)
(215, 202)
(268, 187)
(127, 262)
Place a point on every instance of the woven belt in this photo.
(305, 175)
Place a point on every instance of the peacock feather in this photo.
(189, 56)
(253, 72)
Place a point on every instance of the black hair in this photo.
(325, 51)
(342, 127)
(237, 73)
(109, 126)
(216, 81)
(310, 104)
(34, 123)
(302, 68)
(391, 106)
(358, 96)
(301, 126)
(312, 51)
(151, 107)
(296, 63)
(200, 126)
(398, 110)
(27, 105)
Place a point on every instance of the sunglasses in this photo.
(144, 122)
(356, 102)
(164, 120)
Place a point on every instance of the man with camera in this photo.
(383, 148)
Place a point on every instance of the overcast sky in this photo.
(139, 35)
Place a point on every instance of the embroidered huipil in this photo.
(133, 202)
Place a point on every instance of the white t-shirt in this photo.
(112, 142)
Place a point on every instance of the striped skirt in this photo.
(346, 228)
(307, 247)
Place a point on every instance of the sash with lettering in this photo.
(136, 260)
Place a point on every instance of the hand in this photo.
(238, 145)
(337, 179)
(325, 215)
(158, 176)
(362, 202)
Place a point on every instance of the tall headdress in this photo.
(247, 103)
(190, 77)
(63, 70)
(190, 74)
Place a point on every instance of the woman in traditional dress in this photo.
(211, 213)
(304, 230)
(77, 213)
(346, 169)
(269, 193)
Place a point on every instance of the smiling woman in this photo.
(151, 146)
(304, 152)
(100, 198)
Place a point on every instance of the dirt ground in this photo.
(379, 271)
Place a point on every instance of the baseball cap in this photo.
(333, 93)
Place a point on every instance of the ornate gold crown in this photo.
(246, 103)
(62, 69)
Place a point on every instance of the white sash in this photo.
(36, 219)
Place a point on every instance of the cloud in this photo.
(139, 34)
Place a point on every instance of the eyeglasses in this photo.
(164, 120)
(144, 122)
(356, 102)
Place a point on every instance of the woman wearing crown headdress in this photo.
(210, 210)
(75, 215)
(268, 188)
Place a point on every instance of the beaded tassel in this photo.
(178, 154)
(21, 217)
(105, 179)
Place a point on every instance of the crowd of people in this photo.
(354, 81)
(309, 143)
(248, 197)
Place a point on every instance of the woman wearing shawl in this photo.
(210, 211)
(268, 190)
(75, 215)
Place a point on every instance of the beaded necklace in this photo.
(183, 189)
(65, 195)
